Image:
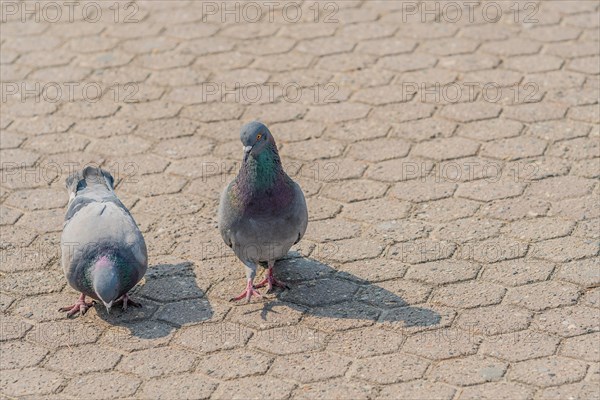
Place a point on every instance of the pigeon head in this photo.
(105, 281)
(255, 137)
(89, 177)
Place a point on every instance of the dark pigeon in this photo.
(262, 212)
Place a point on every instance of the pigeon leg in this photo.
(127, 300)
(250, 290)
(79, 306)
(271, 281)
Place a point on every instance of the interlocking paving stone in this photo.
(442, 344)
(469, 371)
(520, 346)
(469, 295)
(495, 319)
(111, 385)
(310, 367)
(498, 390)
(334, 388)
(389, 369)
(234, 364)
(156, 362)
(582, 347)
(548, 371)
(82, 358)
(17, 355)
(367, 342)
(449, 218)
(568, 321)
(256, 386)
(179, 385)
(32, 381)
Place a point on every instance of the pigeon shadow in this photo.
(321, 291)
(171, 297)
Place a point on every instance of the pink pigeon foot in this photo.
(247, 293)
(270, 281)
(127, 300)
(79, 306)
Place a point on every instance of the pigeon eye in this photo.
(258, 136)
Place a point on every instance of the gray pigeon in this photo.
(103, 251)
(262, 212)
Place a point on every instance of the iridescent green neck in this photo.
(261, 172)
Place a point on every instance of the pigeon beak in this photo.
(247, 150)
(108, 306)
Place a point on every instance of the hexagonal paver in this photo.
(469, 371)
(565, 249)
(337, 388)
(568, 321)
(321, 292)
(516, 208)
(421, 250)
(514, 148)
(84, 359)
(359, 190)
(469, 295)
(39, 199)
(446, 149)
(518, 272)
(520, 346)
(310, 367)
(582, 390)
(584, 273)
(352, 250)
(255, 386)
(543, 295)
(467, 230)
(442, 344)
(582, 347)
(446, 210)
(33, 381)
(288, 340)
(442, 272)
(179, 385)
(112, 385)
(493, 320)
(486, 190)
(379, 149)
(389, 369)
(549, 371)
(468, 112)
(498, 390)
(206, 338)
(367, 342)
(155, 362)
(539, 228)
(417, 191)
(234, 364)
(418, 389)
(17, 355)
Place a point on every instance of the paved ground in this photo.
(452, 251)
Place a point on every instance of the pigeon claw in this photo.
(80, 306)
(127, 301)
(247, 293)
(270, 281)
